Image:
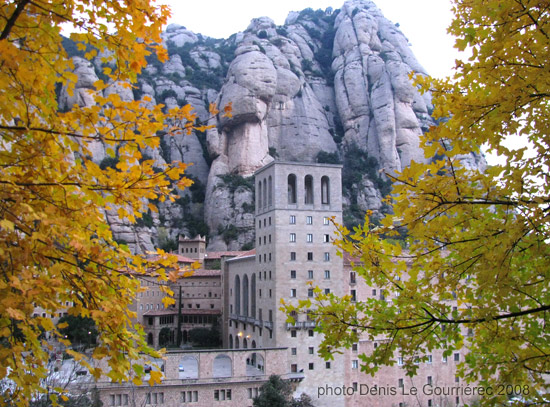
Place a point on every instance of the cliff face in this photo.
(328, 86)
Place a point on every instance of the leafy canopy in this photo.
(474, 272)
(55, 245)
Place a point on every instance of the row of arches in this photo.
(245, 296)
(308, 190)
(222, 366)
(265, 193)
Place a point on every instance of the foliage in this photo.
(78, 330)
(235, 181)
(476, 273)
(166, 337)
(328, 158)
(55, 244)
(274, 393)
(206, 337)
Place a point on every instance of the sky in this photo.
(424, 22)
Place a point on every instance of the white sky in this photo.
(424, 22)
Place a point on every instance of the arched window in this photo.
(259, 195)
(236, 342)
(253, 296)
(269, 191)
(230, 341)
(222, 366)
(253, 344)
(325, 190)
(308, 189)
(245, 343)
(292, 189)
(188, 368)
(237, 295)
(265, 192)
(245, 295)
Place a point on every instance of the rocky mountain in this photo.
(327, 86)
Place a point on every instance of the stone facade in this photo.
(201, 379)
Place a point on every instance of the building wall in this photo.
(205, 377)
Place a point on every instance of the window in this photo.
(444, 359)
(429, 359)
(292, 219)
(326, 221)
(310, 332)
(354, 347)
(352, 279)
(292, 256)
(457, 357)
(294, 368)
(292, 273)
(309, 238)
(310, 274)
(309, 256)
(353, 295)
(400, 361)
(400, 383)
(327, 365)
(293, 351)
(311, 366)
(293, 333)
(327, 256)
(310, 350)
(308, 190)
(292, 189)
(326, 238)
(429, 380)
(430, 403)
(354, 364)
(292, 292)
(325, 190)
(374, 292)
(310, 292)
(309, 220)
(292, 237)
(327, 274)
(327, 290)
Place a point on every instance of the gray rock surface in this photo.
(328, 85)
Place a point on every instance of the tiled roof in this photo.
(184, 311)
(218, 255)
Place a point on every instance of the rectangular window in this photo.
(294, 368)
(457, 357)
(249, 392)
(310, 292)
(309, 256)
(309, 220)
(292, 256)
(310, 366)
(293, 351)
(327, 274)
(354, 364)
(310, 332)
(293, 333)
(429, 380)
(292, 237)
(292, 292)
(326, 221)
(292, 273)
(400, 361)
(327, 290)
(400, 383)
(444, 359)
(327, 256)
(326, 238)
(309, 238)
(310, 274)
(310, 350)
(353, 295)
(327, 365)
(429, 359)
(292, 219)
(352, 279)
(354, 347)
